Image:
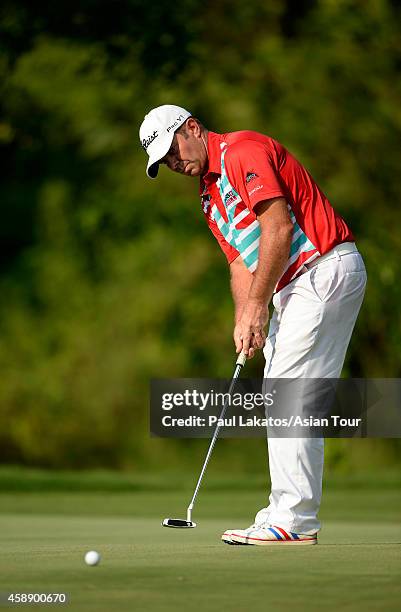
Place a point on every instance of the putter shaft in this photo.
(238, 367)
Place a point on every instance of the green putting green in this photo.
(146, 567)
(356, 566)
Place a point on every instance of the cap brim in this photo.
(154, 159)
(152, 170)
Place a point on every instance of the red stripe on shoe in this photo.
(283, 532)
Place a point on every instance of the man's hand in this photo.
(249, 332)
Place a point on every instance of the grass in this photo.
(45, 533)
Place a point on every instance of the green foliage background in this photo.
(108, 278)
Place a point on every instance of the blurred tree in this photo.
(103, 272)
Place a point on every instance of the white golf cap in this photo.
(157, 132)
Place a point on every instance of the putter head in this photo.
(178, 523)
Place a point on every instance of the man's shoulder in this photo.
(232, 137)
(248, 142)
(246, 136)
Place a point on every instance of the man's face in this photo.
(188, 153)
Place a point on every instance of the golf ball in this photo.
(92, 557)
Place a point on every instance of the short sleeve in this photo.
(229, 251)
(251, 170)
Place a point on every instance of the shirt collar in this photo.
(214, 154)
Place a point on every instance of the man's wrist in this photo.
(258, 300)
(238, 313)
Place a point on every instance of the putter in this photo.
(188, 523)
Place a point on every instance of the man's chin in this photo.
(196, 171)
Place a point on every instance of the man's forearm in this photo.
(241, 281)
(274, 248)
(252, 293)
(273, 256)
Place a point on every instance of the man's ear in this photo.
(193, 127)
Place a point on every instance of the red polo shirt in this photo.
(246, 168)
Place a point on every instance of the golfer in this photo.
(283, 242)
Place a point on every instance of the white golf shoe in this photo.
(266, 535)
(226, 537)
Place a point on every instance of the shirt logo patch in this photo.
(250, 176)
(255, 189)
(229, 198)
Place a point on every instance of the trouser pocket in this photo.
(324, 279)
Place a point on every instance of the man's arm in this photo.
(274, 247)
(241, 281)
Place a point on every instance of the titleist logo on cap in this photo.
(147, 141)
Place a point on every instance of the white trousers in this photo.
(308, 337)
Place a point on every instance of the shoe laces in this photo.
(257, 526)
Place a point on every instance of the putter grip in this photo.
(241, 359)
